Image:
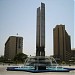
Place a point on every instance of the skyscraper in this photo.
(62, 43)
(13, 46)
(40, 33)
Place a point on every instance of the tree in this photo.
(2, 59)
(20, 58)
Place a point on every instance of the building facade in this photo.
(40, 31)
(73, 52)
(62, 43)
(13, 46)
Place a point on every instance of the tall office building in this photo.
(40, 31)
(13, 46)
(62, 43)
(73, 53)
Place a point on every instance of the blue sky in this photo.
(19, 16)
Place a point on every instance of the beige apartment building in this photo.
(61, 43)
(13, 46)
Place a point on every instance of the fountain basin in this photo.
(40, 64)
(37, 71)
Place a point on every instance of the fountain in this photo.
(37, 64)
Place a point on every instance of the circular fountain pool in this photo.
(37, 64)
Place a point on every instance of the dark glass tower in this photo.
(40, 32)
